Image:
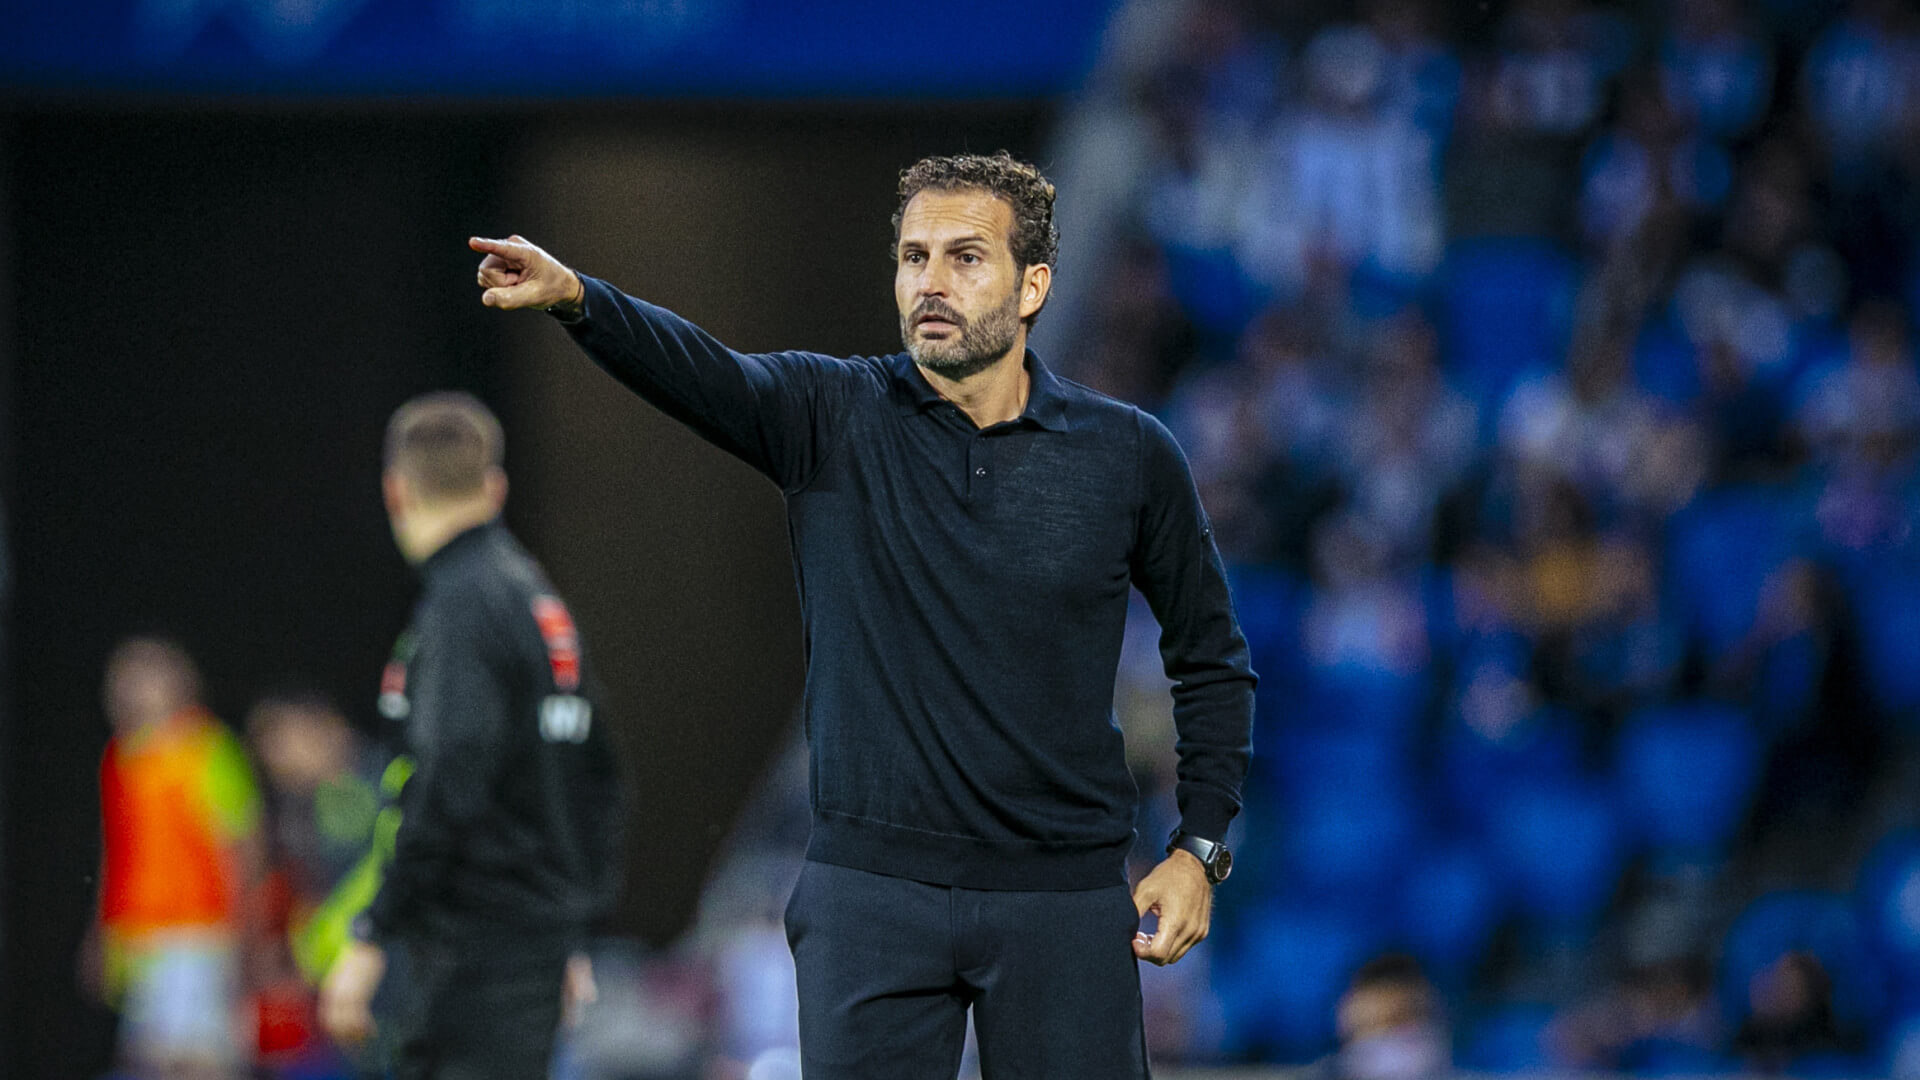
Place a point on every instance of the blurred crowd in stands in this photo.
(1549, 372)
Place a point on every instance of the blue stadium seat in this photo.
(1508, 1039)
(1345, 808)
(1475, 772)
(1685, 776)
(1267, 602)
(1316, 766)
(1350, 844)
(1388, 703)
(1665, 363)
(1720, 551)
(1888, 899)
(1787, 690)
(1672, 1057)
(1449, 906)
(1887, 614)
(1505, 307)
(1210, 287)
(1559, 844)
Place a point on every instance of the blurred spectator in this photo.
(1865, 407)
(322, 791)
(1578, 430)
(753, 1019)
(1391, 1025)
(1860, 82)
(1191, 193)
(1408, 439)
(1778, 667)
(1716, 68)
(322, 799)
(1648, 161)
(180, 823)
(1628, 651)
(1206, 104)
(1422, 72)
(1365, 618)
(1555, 60)
(1342, 181)
(1791, 1017)
(1659, 1017)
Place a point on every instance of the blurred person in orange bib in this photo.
(181, 848)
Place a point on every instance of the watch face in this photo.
(1222, 865)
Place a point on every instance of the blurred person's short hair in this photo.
(156, 654)
(1391, 969)
(1035, 240)
(278, 702)
(445, 443)
(1400, 976)
(300, 736)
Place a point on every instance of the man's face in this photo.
(145, 685)
(955, 282)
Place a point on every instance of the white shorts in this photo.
(181, 997)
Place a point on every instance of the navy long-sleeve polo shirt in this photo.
(964, 593)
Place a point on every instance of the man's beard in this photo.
(974, 344)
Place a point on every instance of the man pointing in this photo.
(965, 526)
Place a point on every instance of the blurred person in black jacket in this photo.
(505, 853)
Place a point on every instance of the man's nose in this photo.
(933, 280)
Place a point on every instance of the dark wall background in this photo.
(213, 314)
(221, 313)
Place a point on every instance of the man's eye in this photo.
(912, 258)
(969, 258)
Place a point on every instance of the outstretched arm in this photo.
(775, 411)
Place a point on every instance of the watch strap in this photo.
(1212, 854)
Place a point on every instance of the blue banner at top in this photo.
(544, 48)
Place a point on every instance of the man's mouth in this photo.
(937, 321)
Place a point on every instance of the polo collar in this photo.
(1046, 397)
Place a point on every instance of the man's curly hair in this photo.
(1030, 194)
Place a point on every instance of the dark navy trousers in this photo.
(888, 967)
(480, 1010)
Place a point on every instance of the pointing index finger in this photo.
(499, 247)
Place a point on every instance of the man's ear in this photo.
(1035, 283)
(496, 487)
(395, 492)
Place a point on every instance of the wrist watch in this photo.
(1212, 854)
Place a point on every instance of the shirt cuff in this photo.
(1205, 814)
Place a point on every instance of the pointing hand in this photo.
(517, 274)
